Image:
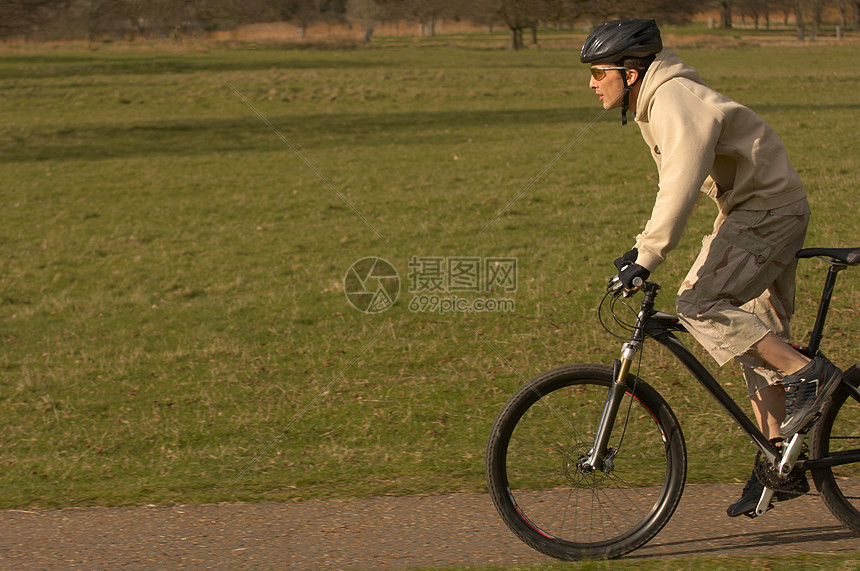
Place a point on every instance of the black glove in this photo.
(626, 259)
(630, 272)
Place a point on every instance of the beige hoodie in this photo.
(703, 142)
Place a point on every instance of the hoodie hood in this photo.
(667, 65)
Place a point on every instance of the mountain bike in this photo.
(589, 461)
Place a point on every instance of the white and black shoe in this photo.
(806, 391)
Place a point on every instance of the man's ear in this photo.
(632, 76)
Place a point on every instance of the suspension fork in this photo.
(599, 453)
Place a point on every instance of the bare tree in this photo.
(25, 17)
(785, 7)
(798, 17)
(726, 14)
(104, 17)
(365, 13)
(805, 10)
(757, 9)
(335, 11)
(520, 15)
(163, 18)
(517, 15)
(664, 11)
(843, 14)
(817, 8)
(669, 11)
(429, 12)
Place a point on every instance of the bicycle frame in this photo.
(658, 330)
(660, 327)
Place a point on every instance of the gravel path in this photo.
(377, 533)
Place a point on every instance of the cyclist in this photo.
(738, 297)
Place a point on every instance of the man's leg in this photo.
(780, 355)
(768, 404)
(807, 383)
(737, 301)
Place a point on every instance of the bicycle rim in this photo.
(549, 501)
(837, 430)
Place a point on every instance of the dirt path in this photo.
(378, 533)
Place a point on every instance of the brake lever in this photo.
(617, 288)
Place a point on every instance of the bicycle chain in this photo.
(768, 474)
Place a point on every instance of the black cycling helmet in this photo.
(616, 40)
(619, 39)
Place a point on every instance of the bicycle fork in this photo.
(600, 457)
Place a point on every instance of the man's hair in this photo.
(640, 64)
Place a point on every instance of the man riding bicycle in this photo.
(738, 298)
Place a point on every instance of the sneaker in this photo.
(752, 494)
(806, 391)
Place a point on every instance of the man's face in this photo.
(610, 87)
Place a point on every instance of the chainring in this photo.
(768, 474)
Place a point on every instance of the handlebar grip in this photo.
(638, 282)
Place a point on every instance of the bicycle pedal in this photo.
(752, 515)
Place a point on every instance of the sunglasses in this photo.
(599, 73)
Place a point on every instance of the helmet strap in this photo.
(625, 104)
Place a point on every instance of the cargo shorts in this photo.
(742, 286)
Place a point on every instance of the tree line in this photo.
(42, 20)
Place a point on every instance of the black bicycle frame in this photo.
(660, 327)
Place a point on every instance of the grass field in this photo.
(173, 321)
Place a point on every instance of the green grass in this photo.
(171, 288)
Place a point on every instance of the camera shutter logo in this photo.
(371, 285)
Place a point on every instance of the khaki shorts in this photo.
(742, 286)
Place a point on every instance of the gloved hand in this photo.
(630, 272)
(626, 259)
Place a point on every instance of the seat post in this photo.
(818, 329)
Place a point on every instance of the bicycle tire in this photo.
(839, 429)
(548, 502)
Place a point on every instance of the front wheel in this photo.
(553, 503)
(838, 430)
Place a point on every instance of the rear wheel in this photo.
(549, 500)
(837, 430)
